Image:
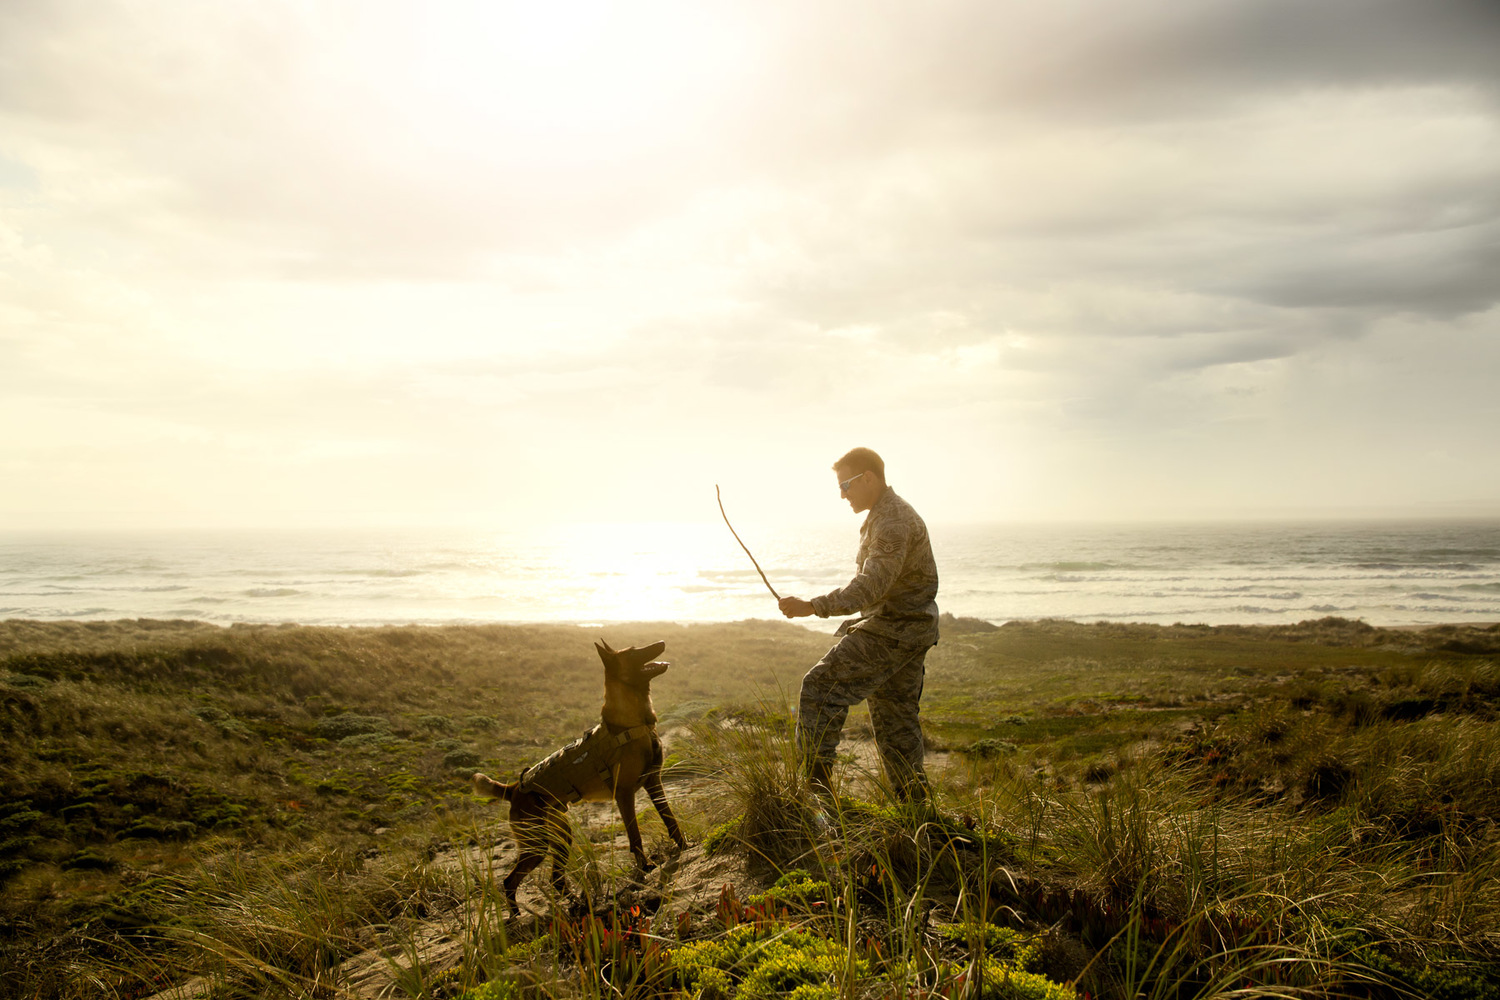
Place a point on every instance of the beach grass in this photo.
(1119, 810)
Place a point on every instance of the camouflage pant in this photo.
(863, 666)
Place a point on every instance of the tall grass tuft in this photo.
(762, 791)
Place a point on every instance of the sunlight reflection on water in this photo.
(1393, 573)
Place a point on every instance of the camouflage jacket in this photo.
(895, 588)
(563, 773)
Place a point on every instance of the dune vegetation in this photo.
(1119, 811)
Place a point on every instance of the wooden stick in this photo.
(736, 535)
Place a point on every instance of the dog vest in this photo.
(564, 772)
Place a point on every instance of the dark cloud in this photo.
(1441, 275)
(1139, 59)
(1340, 43)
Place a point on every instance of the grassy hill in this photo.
(1174, 811)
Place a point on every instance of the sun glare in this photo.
(570, 75)
(632, 572)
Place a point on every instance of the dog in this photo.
(613, 760)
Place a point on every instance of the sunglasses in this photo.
(845, 484)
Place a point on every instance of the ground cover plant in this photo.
(1119, 811)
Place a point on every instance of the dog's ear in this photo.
(605, 653)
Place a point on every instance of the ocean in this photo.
(1385, 573)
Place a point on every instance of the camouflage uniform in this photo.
(880, 655)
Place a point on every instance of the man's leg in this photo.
(894, 708)
(846, 675)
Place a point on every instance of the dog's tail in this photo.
(485, 785)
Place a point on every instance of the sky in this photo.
(279, 264)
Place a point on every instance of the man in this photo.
(881, 655)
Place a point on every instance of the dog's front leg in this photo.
(625, 802)
(527, 860)
(560, 839)
(659, 800)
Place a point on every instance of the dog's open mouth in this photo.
(654, 667)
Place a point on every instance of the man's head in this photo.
(861, 476)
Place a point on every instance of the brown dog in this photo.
(612, 761)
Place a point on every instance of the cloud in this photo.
(1148, 59)
(285, 237)
(309, 142)
(320, 141)
(1283, 45)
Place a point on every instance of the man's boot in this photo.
(820, 776)
(820, 780)
(915, 789)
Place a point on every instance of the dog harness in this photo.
(563, 773)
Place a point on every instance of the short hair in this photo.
(858, 460)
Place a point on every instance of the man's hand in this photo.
(795, 607)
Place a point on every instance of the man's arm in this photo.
(870, 584)
(874, 579)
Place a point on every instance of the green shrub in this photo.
(366, 741)
(159, 829)
(722, 837)
(24, 682)
(89, 860)
(1009, 946)
(21, 818)
(495, 989)
(763, 960)
(782, 967)
(1437, 974)
(435, 723)
(812, 991)
(461, 757)
(989, 748)
(1004, 982)
(338, 727)
(796, 889)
